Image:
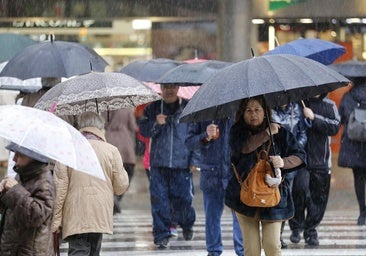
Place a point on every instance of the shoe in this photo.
(173, 232)
(312, 241)
(116, 209)
(213, 254)
(295, 237)
(188, 234)
(361, 220)
(162, 244)
(283, 244)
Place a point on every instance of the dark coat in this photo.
(212, 157)
(285, 145)
(168, 147)
(27, 210)
(352, 153)
(326, 123)
(292, 118)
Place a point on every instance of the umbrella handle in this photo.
(53, 107)
(303, 104)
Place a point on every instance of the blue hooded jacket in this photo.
(168, 147)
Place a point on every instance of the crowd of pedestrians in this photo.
(49, 198)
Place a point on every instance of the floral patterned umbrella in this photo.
(50, 136)
(97, 92)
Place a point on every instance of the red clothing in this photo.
(146, 157)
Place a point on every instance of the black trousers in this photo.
(310, 192)
(87, 244)
(359, 177)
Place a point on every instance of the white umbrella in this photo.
(50, 136)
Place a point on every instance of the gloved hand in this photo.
(274, 181)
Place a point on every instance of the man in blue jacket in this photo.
(170, 177)
(210, 142)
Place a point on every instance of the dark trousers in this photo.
(359, 177)
(310, 193)
(171, 199)
(87, 244)
(130, 169)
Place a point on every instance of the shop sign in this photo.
(50, 23)
(280, 4)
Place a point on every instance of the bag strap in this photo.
(263, 151)
(238, 178)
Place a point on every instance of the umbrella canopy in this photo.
(192, 73)
(350, 68)
(319, 50)
(53, 59)
(281, 79)
(185, 92)
(97, 92)
(48, 135)
(12, 83)
(11, 44)
(149, 70)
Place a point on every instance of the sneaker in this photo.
(173, 232)
(283, 244)
(312, 241)
(162, 244)
(295, 237)
(188, 234)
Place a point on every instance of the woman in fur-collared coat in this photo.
(248, 135)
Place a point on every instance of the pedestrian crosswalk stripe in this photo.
(338, 235)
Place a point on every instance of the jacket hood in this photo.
(94, 131)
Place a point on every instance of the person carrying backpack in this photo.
(353, 153)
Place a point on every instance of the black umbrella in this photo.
(53, 59)
(192, 73)
(149, 70)
(281, 79)
(350, 68)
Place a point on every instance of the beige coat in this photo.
(84, 204)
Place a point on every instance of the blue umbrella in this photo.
(11, 44)
(149, 70)
(280, 78)
(319, 50)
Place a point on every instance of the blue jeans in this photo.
(171, 193)
(214, 206)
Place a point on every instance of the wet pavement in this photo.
(338, 233)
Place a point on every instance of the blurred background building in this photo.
(126, 30)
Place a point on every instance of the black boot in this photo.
(362, 218)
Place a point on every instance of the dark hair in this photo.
(239, 117)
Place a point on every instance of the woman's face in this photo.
(254, 113)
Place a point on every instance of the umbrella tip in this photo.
(252, 51)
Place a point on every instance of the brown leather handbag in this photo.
(254, 191)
